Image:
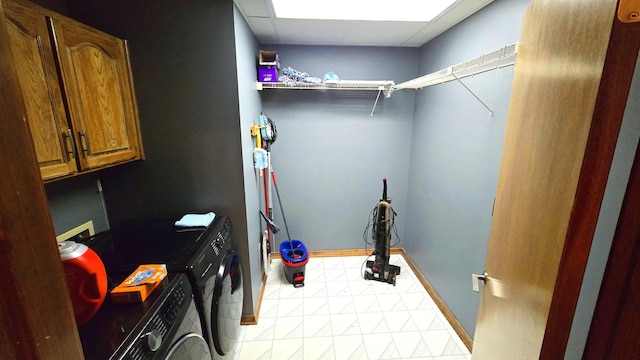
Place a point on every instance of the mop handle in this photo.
(284, 219)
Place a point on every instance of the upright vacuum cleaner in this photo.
(382, 226)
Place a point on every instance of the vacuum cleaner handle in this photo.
(384, 190)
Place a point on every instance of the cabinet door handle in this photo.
(68, 142)
(84, 140)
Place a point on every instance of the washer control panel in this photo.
(154, 335)
(222, 236)
(209, 256)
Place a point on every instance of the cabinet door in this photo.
(97, 80)
(39, 84)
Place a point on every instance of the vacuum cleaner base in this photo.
(376, 272)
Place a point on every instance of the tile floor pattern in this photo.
(339, 315)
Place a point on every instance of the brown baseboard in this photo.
(457, 327)
(253, 319)
(248, 320)
(345, 252)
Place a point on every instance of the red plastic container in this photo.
(86, 279)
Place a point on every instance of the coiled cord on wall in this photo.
(270, 132)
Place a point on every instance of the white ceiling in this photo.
(271, 31)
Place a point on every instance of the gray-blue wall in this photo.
(331, 154)
(250, 106)
(455, 157)
(74, 201)
(451, 252)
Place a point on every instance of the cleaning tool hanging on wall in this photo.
(260, 162)
(267, 133)
(268, 129)
(260, 158)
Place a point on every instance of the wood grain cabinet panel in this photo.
(39, 85)
(78, 91)
(97, 79)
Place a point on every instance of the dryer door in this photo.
(187, 342)
(190, 346)
(226, 307)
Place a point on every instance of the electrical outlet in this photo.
(86, 228)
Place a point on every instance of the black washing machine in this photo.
(166, 326)
(204, 254)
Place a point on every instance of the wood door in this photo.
(96, 74)
(40, 87)
(36, 314)
(616, 319)
(571, 82)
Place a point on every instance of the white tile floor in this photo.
(339, 315)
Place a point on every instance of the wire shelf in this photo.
(504, 56)
(331, 85)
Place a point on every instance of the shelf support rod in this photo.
(375, 103)
(472, 93)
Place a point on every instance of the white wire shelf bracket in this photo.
(504, 56)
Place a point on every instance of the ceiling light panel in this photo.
(367, 10)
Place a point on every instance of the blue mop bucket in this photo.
(294, 260)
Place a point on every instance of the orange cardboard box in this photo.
(139, 285)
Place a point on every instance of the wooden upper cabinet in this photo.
(97, 79)
(40, 88)
(77, 88)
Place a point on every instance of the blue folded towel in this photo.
(191, 220)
